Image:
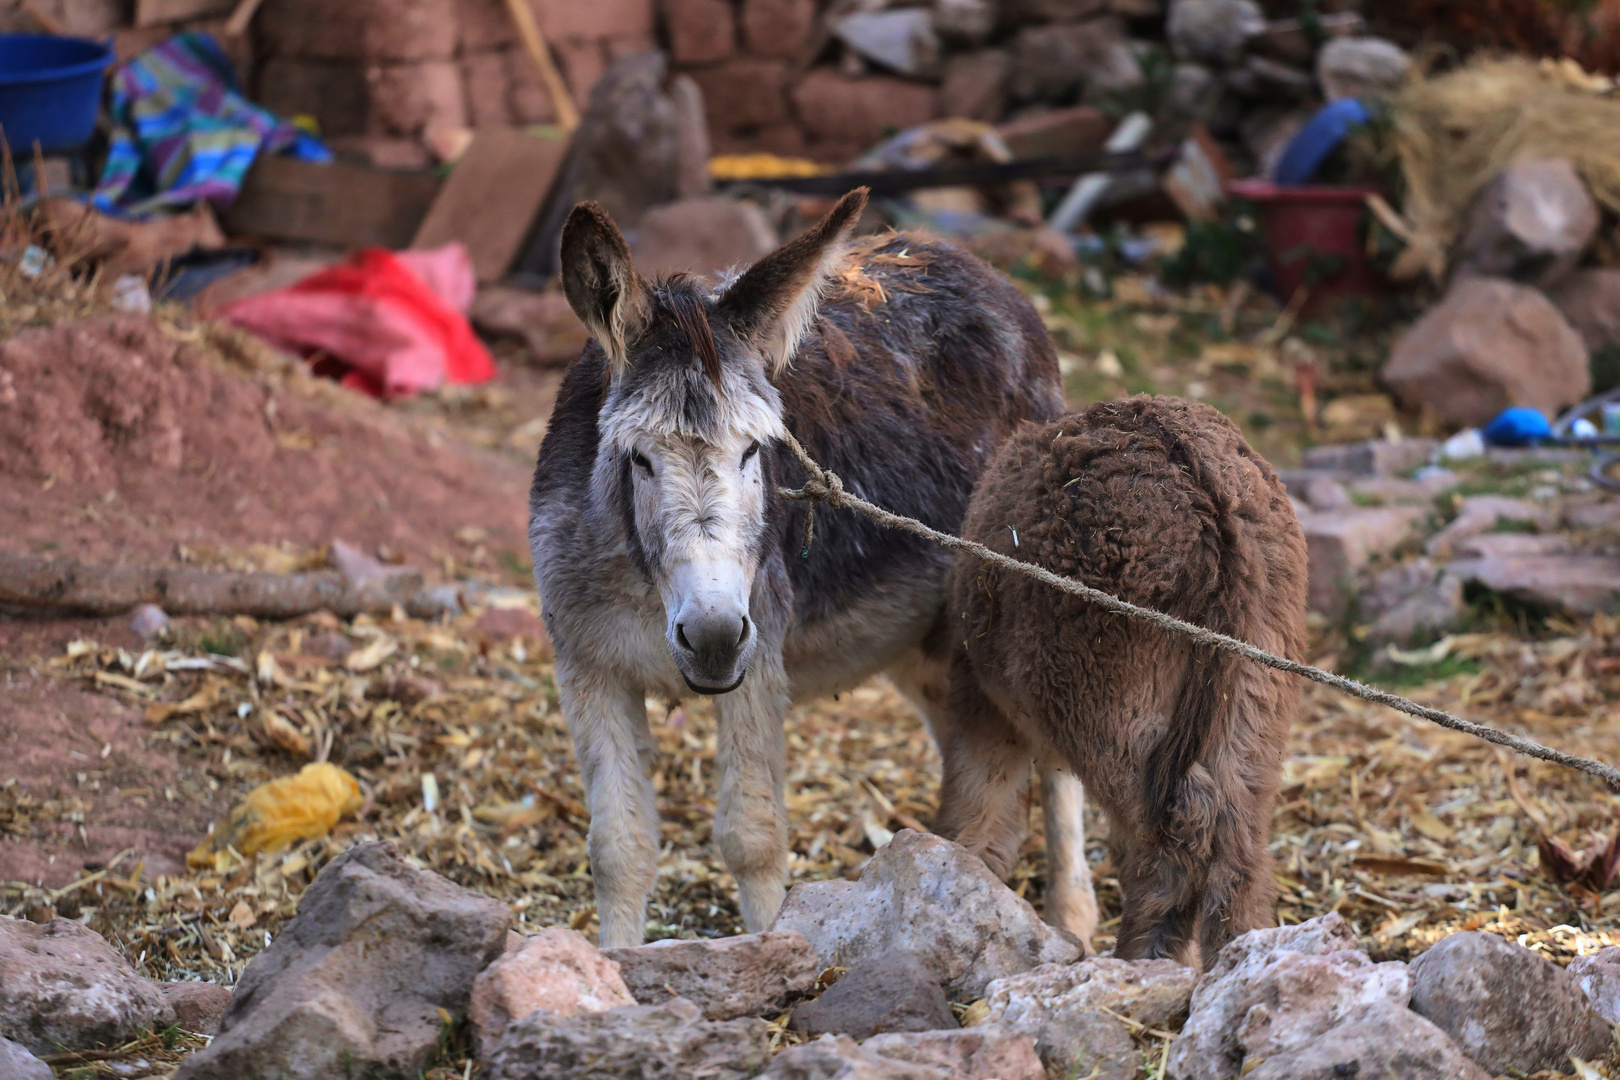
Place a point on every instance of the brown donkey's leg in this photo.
(986, 777)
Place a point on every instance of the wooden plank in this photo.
(492, 197)
(346, 205)
(163, 12)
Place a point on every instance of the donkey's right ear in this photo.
(601, 283)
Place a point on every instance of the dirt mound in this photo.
(118, 441)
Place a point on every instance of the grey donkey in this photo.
(668, 564)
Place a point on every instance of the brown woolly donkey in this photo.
(1160, 502)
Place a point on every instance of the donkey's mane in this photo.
(686, 307)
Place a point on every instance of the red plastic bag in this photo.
(391, 333)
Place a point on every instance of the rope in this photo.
(824, 486)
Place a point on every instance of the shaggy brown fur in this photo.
(1163, 503)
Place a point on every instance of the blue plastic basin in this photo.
(50, 91)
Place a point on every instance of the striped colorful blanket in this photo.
(183, 131)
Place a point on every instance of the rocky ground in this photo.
(130, 743)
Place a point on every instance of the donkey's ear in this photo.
(601, 283)
(772, 304)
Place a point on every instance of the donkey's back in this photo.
(920, 364)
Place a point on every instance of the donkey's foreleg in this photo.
(750, 825)
(607, 718)
(1071, 902)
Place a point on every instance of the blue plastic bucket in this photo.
(50, 90)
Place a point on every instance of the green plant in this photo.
(1217, 251)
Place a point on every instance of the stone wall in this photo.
(382, 75)
(776, 80)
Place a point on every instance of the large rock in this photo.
(1213, 31)
(975, 84)
(1574, 584)
(1374, 457)
(1369, 68)
(983, 1052)
(1507, 1008)
(928, 896)
(355, 983)
(1274, 991)
(62, 987)
(1598, 976)
(1341, 542)
(1074, 1012)
(745, 975)
(837, 1057)
(1489, 344)
(859, 111)
(1480, 514)
(198, 1006)
(556, 970)
(1590, 300)
(16, 1063)
(1049, 63)
(1382, 1040)
(703, 235)
(1411, 603)
(1532, 223)
(892, 991)
(671, 1041)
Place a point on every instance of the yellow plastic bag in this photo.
(276, 813)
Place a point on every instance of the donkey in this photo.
(668, 565)
(1163, 503)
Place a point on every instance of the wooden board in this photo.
(162, 12)
(492, 197)
(345, 205)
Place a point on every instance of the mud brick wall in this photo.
(372, 71)
(775, 81)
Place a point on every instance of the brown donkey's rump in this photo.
(1163, 503)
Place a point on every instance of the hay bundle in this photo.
(1453, 133)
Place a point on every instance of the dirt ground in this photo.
(122, 755)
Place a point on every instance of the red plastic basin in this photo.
(1310, 231)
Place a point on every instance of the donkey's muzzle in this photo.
(711, 647)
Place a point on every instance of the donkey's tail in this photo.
(1200, 710)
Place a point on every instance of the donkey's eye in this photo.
(753, 448)
(639, 460)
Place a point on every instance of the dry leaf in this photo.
(280, 732)
(372, 655)
(242, 915)
(1430, 826)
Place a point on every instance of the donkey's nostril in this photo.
(742, 635)
(680, 636)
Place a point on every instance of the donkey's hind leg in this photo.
(983, 795)
(1071, 901)
(608, 721)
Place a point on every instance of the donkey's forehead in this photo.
(673, 398)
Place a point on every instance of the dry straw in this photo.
(1454, 132)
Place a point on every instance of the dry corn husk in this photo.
(303, 806)
(1455, 132)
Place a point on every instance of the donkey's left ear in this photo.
(772, 304)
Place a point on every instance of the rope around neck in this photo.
(824, 486)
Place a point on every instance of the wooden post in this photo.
(535, 43)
